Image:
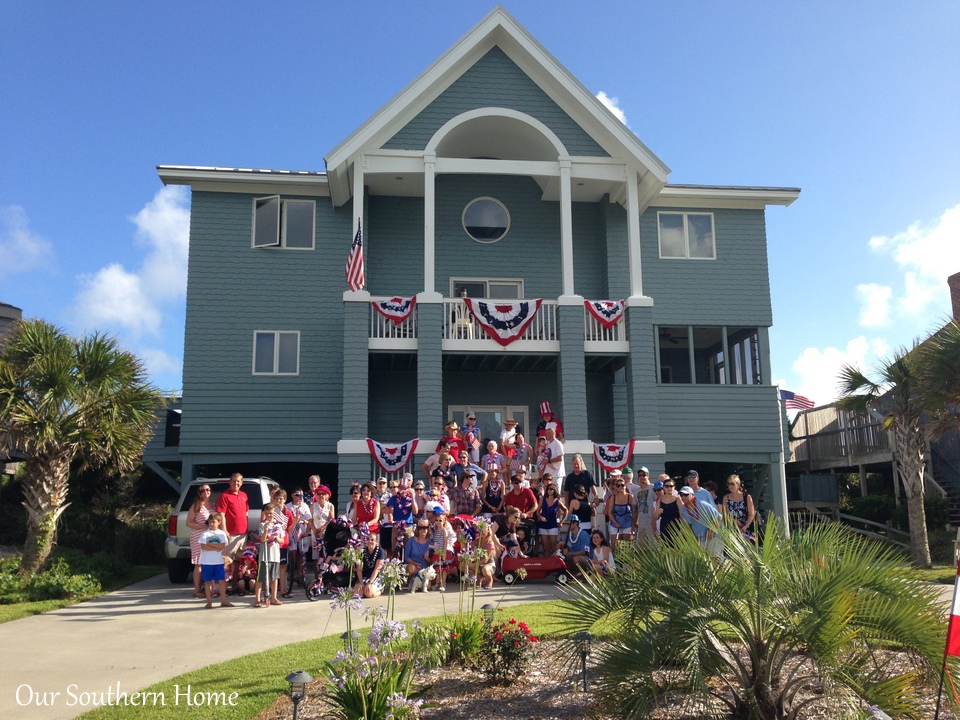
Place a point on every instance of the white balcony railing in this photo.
(385, 334)
(460, 329)
(597, 338)
(461, 332)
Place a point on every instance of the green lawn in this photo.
(943, 574)
(259, 678)
(133, 574)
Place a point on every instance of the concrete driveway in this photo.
(149, 632)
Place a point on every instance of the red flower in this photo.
(499, 637)
(453, 635)
(532, 639)
(513, 621)
(516, 644)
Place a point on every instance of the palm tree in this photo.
(64, 399)
(898, 396)
(770, 630)
(941, 377)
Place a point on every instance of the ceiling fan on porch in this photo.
(667, 336)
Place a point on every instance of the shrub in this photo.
(59, 583)
(429, 645)
(466, 639)
(506, 650)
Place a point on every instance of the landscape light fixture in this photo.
(583, 640)
(350, 641)
(298, 688)
(488, 611)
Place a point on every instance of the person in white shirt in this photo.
(554, 452)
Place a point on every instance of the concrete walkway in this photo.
(149, 632)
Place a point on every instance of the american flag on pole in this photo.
(355, 278)
(795, 402)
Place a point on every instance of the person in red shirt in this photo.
(452, 437)
(235, 506)
(523, 499)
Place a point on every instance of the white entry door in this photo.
(490, 419)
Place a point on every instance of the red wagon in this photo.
(537, 568)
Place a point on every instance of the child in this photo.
(247, 570)
(513, 549)
(269, 561)
(212, 543)
(522, 541)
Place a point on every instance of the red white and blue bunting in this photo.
(613, 457)
(397, 309)
(503, 321)
(607, 312)
(392, 457)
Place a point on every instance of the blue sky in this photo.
(856, 103)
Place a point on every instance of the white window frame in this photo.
(486, 284)
(276, 352)
(686, 235)
(459, 413)
(463, 219)
(281, 237)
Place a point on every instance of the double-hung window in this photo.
(687, 236)
(276, 352)
(282, 223)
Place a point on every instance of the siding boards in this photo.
(393, 405)
(494, 81)
(734, 289)
(394, 257)
(232, 290)
(725, 420)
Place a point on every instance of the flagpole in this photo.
(950, 648)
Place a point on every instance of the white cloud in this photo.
(613, 105)
(874, 304)
(818, 371)
(122, 299)
(927, 254)
(20, 249)
(159, 362)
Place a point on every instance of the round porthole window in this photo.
(486, 220)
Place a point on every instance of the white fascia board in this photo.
(214, 179)
(498, 28)
(751, 198)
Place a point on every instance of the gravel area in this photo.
(550, 692)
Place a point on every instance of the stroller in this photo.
(329, 571)
(247, 569)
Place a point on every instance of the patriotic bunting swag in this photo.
(397, 309)
(503, 321)
(613, 457)
(392, 457)
(607, 312)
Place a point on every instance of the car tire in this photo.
(178, 571)
(509, 578)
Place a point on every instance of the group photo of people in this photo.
(480, 507)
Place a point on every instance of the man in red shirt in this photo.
(235, 506)
(523, 499)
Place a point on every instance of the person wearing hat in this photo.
(547, 417)
(462, 464)
(403, 509)
(576, 547)
(703, 518)
(692, 480)
(451, 435)
(508, 437)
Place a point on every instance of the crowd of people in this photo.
(464, 515)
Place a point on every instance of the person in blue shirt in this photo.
(462, 465)
(703, 518)
(576, 548)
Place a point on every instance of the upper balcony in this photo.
(462, 334)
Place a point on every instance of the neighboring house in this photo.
(495, 173)
(826, 440)
(9, 317)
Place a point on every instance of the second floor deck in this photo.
(461, 333)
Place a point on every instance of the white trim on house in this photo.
(497, 28)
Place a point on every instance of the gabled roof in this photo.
(499, 29)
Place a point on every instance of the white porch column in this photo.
(359, 166)
(429, 219)
(633, 233)
(566, 226)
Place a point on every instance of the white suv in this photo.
(177, 546)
